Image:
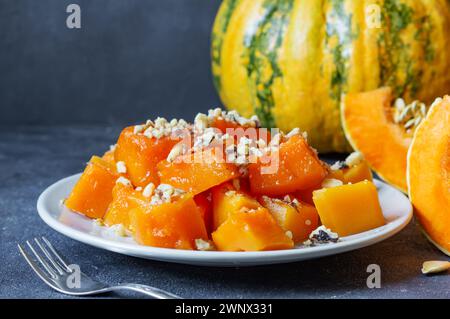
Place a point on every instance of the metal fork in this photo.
(57, 274)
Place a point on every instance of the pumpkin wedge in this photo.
(367, 119)
(428, 174)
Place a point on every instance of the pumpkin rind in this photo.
(428, 174)
(290, 61)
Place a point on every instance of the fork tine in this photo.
(57, 255)
(42, 261)
(35, 267)
(49, 257)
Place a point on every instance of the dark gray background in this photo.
(131, 60)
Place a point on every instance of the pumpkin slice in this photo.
(296, 217)
(92, 193)
(227, 200)
(297, 167)
(367, 119)
(429, 174)
(170, 225)
(140, 154)
(349, 209)
(197, 172)
(251, 230)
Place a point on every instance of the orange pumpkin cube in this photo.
(251, 230)
(298, 168)
(357, 173)
(119, 209)
(227, 200)
(170, 225)
(92, 193)
(141, 154)
(297, 217)
(349, 209)
(196, 173)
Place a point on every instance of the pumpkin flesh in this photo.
(369, 127)
(429, 174)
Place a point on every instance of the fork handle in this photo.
(146, 290)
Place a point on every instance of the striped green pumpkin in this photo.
(290, 61)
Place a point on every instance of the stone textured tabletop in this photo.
(32, 158)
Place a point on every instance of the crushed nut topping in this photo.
(121, 167)
(165, 193)
(338, 165)
(204, 245)
(331, 182)
(161, 128)
(123, 180)
(321, 235)
(354, 159)
(177, 150)
(233, 116)
(148, 190)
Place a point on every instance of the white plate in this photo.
(396, 207)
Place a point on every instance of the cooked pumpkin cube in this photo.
(294, 216)
(93, 192)
(227, 200)
(349, 209)
(357, 173)
(119, 209)
(174, 224)
(141, 154)
(197, 172)
(251, 230)
(296, 167)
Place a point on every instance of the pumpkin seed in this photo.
(435, 266)
(423, 109)
(410, 123)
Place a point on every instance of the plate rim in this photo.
(216, 258)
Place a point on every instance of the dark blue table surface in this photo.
(32, 158)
